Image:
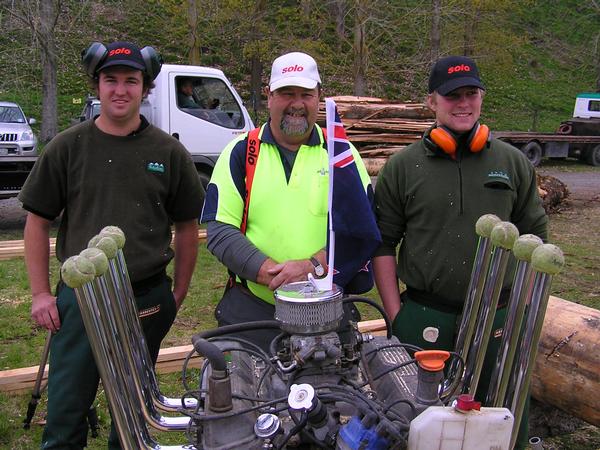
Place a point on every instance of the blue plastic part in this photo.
(354, 435)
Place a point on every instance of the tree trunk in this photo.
(360, 49)
(256, 65)
(48, 15)
(305, 5)
(194, 39)
(435, 29)
(597, 62)
(337, 9)
(470, 26)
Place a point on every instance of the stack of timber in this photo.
(379, 128)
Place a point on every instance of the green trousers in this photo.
(73, 377)
(414, 318)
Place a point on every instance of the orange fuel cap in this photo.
(432, 360)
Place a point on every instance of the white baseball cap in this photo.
(294, 69)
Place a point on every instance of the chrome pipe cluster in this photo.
(536, 264)
(105, 297)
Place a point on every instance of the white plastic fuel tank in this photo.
(444, 428)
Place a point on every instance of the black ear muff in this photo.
(92, 57)
(444, 140)
(152, 61)
(478, 138)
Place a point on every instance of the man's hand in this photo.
(289, 271)
(44, 311)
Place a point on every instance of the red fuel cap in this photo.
(466, 402)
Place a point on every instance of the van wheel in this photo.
(592, 156)
(204, 179)
(533, 151)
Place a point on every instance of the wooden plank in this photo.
(16, 248)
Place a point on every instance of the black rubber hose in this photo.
(276, 340)
(377, 306)
(246, 326)
(210, 351)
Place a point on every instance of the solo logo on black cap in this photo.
(459, 68)
(119, 51)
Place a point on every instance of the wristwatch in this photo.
(319, 269)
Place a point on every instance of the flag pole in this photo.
(326, 284)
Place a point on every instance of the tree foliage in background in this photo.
(534, 55)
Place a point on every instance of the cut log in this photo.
(567, 368)
(552, 191)
(374, 165)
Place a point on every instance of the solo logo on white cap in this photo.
(294, 69)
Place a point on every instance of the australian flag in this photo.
(353, 229)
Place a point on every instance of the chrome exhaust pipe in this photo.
(519, 297)
(125, 344)
(129, 425)
(547, 260)
(141, 359)
(503, 237)
(535, 443)
(483, 228)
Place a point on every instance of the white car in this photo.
(16, 135)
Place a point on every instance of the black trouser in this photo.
(239, 305)
(73, 376)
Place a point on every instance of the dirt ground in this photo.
(584, 187)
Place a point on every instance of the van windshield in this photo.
(209, 99)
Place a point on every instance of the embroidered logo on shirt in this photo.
(498, 174)
(156, 167)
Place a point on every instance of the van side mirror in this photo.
(31, 121)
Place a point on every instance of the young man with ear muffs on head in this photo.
(116, 169)
(428, 198)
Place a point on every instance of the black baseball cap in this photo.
(123, 54)
(453, 72)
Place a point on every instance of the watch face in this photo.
(319, 269)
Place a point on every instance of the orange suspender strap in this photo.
(252, 151)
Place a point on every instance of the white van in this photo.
(204, 118)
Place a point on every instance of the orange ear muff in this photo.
(444, 140)
(479, 138)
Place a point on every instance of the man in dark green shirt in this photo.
(428, 198)
(114, 170)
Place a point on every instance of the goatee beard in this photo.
(294, 125)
